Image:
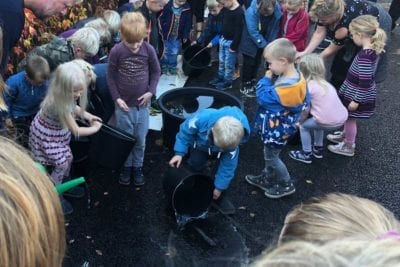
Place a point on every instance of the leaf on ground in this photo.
(99, 252)
(105, 193)
(71, 241)
(309, 182)
(242, 208)
(137, 188)
(252, 215)
(66, 224)
(254, 192)
(96, 203)
(88, 237)
(373, 149)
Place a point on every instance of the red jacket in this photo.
(297, 28)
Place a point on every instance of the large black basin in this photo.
(181, 103)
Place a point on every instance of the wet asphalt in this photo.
(128, 226)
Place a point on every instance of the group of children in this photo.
(289, 98)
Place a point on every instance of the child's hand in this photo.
(216, 193)
(232, 51)
(122, 105)
(176, 161)
(9, 123)
(268, 74)
(299, 55)
(209, 45)
(145, 99)
(194, 43)
(94, 118)
(96, 124)
(353, 106)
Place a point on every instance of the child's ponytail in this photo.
(378, 40)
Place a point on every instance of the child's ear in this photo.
(283, 60)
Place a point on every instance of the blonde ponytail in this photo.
(327, 8)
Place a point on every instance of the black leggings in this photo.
(197, 7)
(394, 11)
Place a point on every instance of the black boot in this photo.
(125, 177)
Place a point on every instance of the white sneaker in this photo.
(343, 149)
(337, 137)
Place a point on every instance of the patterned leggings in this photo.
(61, 171)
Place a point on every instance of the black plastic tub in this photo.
(110, 147)
(195, 60)
(190, 194)
(178, 104)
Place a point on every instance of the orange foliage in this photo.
(38, 32)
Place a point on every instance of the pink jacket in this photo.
(297, 28)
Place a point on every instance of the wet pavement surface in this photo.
(128, 226)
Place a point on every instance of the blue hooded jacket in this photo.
(213, 30)
(259, 30)
(167, 20)
(22, 98)
(194, 132)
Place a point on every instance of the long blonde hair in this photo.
(31, 220)
(369, 26)
(59, 100)
(313, 68)
(327, 8)
(336, 216)
(336, 253)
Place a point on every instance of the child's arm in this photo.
(252, 22)
(86, 115)
(82, 131)
(226, 170)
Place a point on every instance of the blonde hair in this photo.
(212, 3)
(88, 70)
(87, 39)
(327, 8)
(113, 19)
(37, 66)
(313, 68)
(281, 48)
(31, 222)
(369, 25)
(133, 27)
(337, 253)
(296, 3)
(101, 26)
(228, 132)
(336, 216)
(59, 99)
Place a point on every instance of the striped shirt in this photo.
(359, 85)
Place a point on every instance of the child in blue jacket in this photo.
(213, 133)
(176, 24)
(25, 91)
(213, 31)
(281, 103)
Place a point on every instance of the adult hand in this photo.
(96, 124)
(299, 55)
(122, 105)
(216, 194)
(175, 161)
(353, 106)
(145, 99)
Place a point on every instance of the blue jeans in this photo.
(274, 166)
(135, 122)
(305, 133)
(172, 47)
(227, 60)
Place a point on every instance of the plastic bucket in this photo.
(195, 60)
(79, 148)
(178, 104)
(190, 194)
(110, 147)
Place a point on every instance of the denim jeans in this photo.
(135, 122)
(227, 60)
(172, 48)
(305, 133)
(274, 166)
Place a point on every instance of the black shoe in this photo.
(261, 180)
(138, 177)
(224, 206)
(216, 80)
(76, 192)
(280, 189)
(125, 177)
